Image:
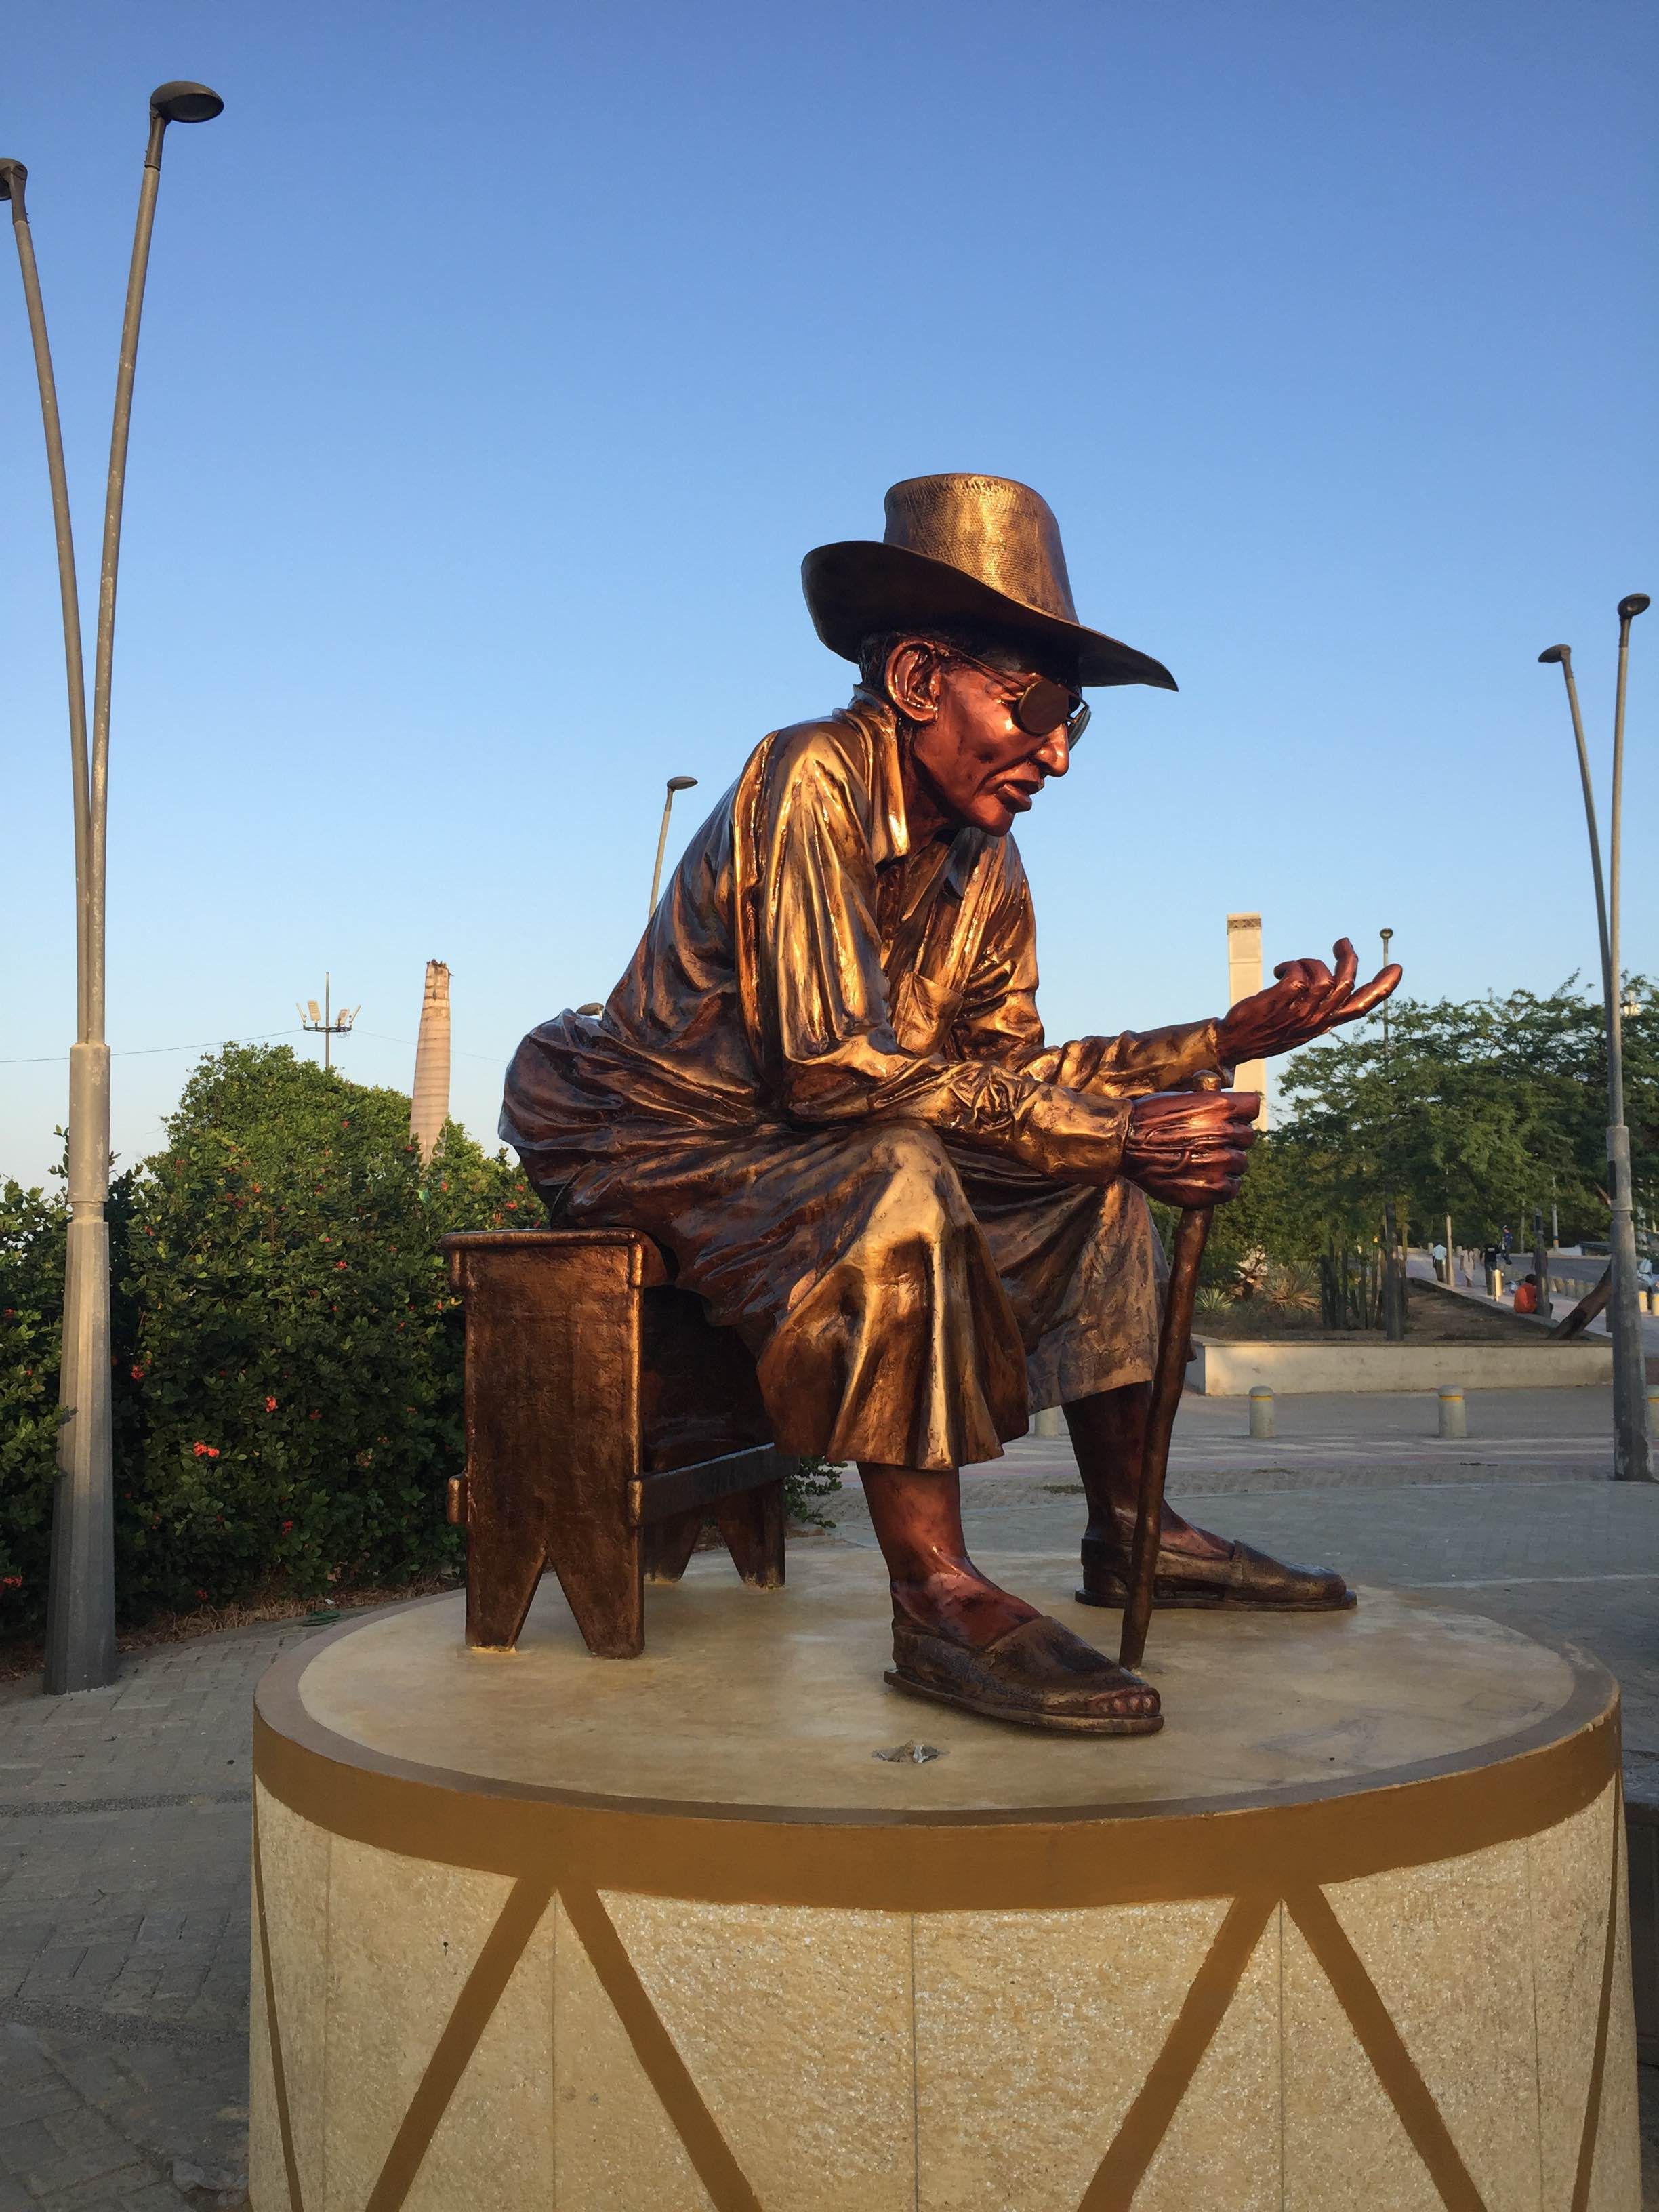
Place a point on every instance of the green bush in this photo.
(287, 1354)
(295, 1360)
(32, 1233)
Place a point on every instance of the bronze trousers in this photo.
(908, 1301)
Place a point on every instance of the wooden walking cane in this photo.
(1192, 1232)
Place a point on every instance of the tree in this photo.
(287, 1351)
(1481, 1109)
(292, 1401)
(32, 1239)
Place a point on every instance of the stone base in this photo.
(542, 1930)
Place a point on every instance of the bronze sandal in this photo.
(1038, 1675)
(1245, 1581)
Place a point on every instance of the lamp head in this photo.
(1636, 604)
(681, 782)
(8, 170)
(1554, 654)
(184, 102)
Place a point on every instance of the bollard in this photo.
(1494, 1282)
(1261, 1410)
(1454, 1413)
(1653, 1409)
(1050, 1422)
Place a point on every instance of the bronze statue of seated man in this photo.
(823, 1087)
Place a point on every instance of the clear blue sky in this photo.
(501, 362)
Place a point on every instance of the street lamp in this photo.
(1386, 935)
(80, 1597)
(675, 783)
(1631, 1459)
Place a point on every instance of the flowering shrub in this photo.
(32, 1233)
(287, 1354)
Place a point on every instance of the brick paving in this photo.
(124, 1812)
(124, 1932)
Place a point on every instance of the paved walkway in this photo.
(124, 1812)
(124, 1932)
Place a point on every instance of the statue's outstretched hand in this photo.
(1305, 1001)
(1187, 1147)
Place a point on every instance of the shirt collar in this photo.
(890, 829)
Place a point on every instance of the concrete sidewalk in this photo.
(124, 1814)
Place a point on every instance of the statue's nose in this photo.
(1054, 756)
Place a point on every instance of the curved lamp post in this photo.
(1630, 1455)
(81, 1600)
(675, 783)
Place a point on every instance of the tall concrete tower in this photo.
(429, 1108)
(1243, 981)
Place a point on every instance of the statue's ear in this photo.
(913, 670)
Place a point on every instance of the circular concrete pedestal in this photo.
(543, 1930)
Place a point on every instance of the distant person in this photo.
(1526, 1296)
(1439, 1253)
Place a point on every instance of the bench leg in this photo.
(669, 1545)
(601, 1570)
(502, 1571)
(752, 1524)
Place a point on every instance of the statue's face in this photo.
(971, 759)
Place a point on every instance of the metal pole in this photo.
(81, 1608)
(81, 1600)
(1631, 1461)
(1385, 934)
(80, 1611)
(328, 1020)
(13, 176)
(1563, 655)
(675, 783)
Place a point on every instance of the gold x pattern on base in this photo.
(1132, 2149)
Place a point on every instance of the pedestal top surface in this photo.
(755, 1701)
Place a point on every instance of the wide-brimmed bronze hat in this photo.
(981, 549)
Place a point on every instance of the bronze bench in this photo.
(607, 1419)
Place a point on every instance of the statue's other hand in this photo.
(1188, 1147)
(1307, 1000)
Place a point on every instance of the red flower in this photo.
(205, 1451)
(339, 1266)
(316, 1417)
(271, 1405)
(202, 1594)
(287, 1525)
(138, 1374)
(11, 1582)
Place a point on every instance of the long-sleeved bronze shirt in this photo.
(809, 990)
